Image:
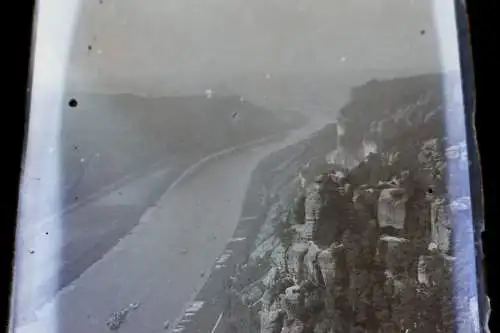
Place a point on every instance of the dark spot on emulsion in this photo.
(46, 233)
(235, 114)
(76, 198)
(89, 47)
(429, 190)
(31, 251)
(75, 147)
(422, 32)
(73, 103)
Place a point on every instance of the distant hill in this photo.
(108, 136)
(311, 93)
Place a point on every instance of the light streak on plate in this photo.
(195, 307)
(223, 258)
(217, 322)
(247, 218)
(457, 176)
(237, 239)
(39, 257)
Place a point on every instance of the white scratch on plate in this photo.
(246, 218)
(195, 306)
(217, 322)
(238, 239)
(223, 258)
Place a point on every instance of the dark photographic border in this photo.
(476, 64)
(18, 47)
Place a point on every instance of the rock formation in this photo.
(371, 250)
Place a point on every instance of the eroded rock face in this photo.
(365, 201)
(382, 267)
(373, 252)
(313, 202)
(391, 208)
(393, 252)
(432, 162)
(296, 326)
(312, 268)
(327, 262)
(432, 267)
(294, 300)
(271, 319)
(440, 225)
(296, 256)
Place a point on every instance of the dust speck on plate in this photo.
(73, 103)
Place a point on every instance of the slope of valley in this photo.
(111, 136)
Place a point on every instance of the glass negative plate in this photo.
(250, 166)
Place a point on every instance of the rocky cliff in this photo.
(366, 243)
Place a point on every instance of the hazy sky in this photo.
(137, 41)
